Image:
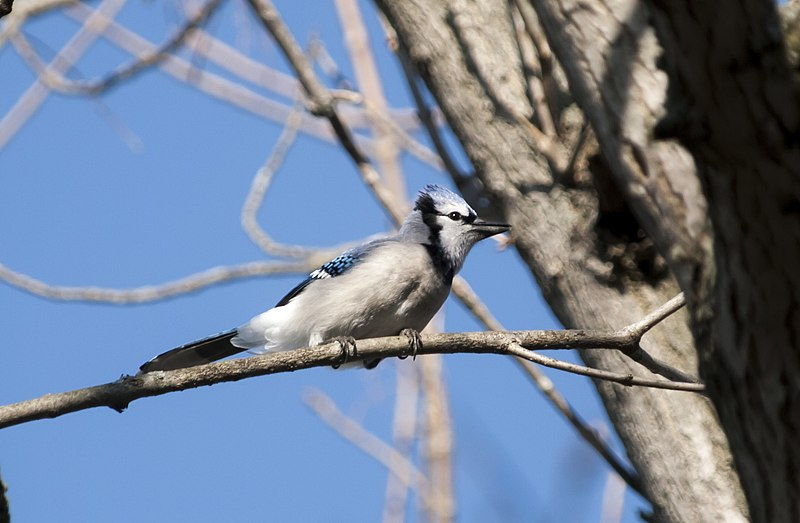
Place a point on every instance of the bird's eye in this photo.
(454, 216)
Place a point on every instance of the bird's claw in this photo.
(414, 342)
(346, 343)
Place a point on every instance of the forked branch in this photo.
(120, 393)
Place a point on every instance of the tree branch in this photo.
(138, 65)
(258, 190)
(546, 386)
(586, 432)
(27, 104)
(615, 377)
(148, 293)
(323, 103)
(395, 462)
(119, 394)
(437, 444)
(404, 435)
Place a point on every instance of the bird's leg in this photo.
(414, 341)
(346, 343)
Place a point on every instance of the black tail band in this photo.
(199, 352)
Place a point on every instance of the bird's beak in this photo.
(486, 229)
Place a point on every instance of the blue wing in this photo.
(333, 268)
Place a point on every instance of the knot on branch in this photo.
(321, 108)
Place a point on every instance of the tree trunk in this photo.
(740, 117)
(582, 235)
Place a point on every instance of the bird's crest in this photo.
(432, 199)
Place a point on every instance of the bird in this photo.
(385, 287)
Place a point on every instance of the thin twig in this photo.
(387, 117)
(652, 319)
(463, 291)
(320, 100)
(605, 375)
(657, 366)
(323, 104)
(120, 393)
(404, 432)
(403, 138)
(258, 190)
(641, 327)
(548, 388)
(426, 117)
(584, 430)
(138, 65)
(438, 442)
(231, 92)
(149, 293)
(369, 83)
(70, 53)
(397, 464)
(613, 499)
(318, 52)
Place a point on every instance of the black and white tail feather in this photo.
(377, 289)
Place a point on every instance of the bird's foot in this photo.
(348, 346)
(414, 342)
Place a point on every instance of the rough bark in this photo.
(585, 249)
(740, 117)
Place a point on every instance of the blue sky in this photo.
(145, 185)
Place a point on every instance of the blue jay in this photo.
(381, 288)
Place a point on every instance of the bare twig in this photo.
(138, 65)
(70, 53)
(149, 293)
(653, 364)
(403, 138)
(438, 442)
(120, 393)
(397, 464)
(613, 499)
(229, 91)
(584, 430)
(463, 291)
(369, 83)
(605, 375)
(319, 54)
(641, 327)
(320, 100)
(387, 117)
(323, 104)
(426, 117)
(546, 386)
(258, 190)
(404, 432)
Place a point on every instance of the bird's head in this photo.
(443, 220)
